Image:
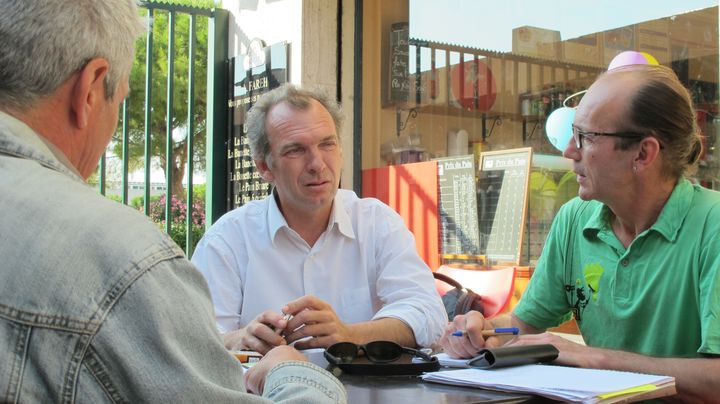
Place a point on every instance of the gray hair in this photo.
(298, 98)
(44, 42)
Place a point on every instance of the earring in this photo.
(635, 168)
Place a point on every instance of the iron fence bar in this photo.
(125, 148)
(190, 138)
(101, 180)
(178, 8)
(217, 117)
(169, 163)
(148, 108)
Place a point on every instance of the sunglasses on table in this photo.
(376, 352)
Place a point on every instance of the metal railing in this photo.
(211, 128)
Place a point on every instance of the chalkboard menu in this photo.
(399, 69)
(248, 83)
(457, 205)
(502, 201)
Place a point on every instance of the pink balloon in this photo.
(627, 58)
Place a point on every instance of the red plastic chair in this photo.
(494, 285)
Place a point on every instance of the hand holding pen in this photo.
(468, 333)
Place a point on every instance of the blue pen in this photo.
(492, 333)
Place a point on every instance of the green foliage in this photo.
(116, 198)
(136, 99)
(178, 210)
(94, 178)
(199, 192)
(137, 202)
(157, 125)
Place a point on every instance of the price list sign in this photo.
(502, 200)
(253, 74)
(458, 206)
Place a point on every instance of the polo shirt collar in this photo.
(338, 215)
(676, 208)
(668, 222)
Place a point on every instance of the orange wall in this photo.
(412, 191)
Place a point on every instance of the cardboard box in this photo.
(537, 42)
(583, 50)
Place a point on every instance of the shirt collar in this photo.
(338, 215)
(276, 220)
(676, 208)
(668, 222)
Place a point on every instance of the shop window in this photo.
(464, 77)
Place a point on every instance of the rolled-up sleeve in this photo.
(405, 283)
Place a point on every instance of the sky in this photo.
(488, 24)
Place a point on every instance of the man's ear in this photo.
(88, 91)
(648, 152)
(264, 170)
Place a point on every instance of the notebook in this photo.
(561, 382)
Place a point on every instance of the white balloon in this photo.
(558, 127)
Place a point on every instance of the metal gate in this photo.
(174, 119)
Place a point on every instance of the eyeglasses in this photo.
(376, 352)
(579, 134)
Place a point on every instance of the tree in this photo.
(158, 124)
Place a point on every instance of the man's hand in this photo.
(255, 377)
(472, 340)
(314, 318)
(259, 335)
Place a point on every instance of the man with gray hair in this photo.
(346, 269)
(96, 304)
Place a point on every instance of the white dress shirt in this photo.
(364, 265)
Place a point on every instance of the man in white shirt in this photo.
(345, 268)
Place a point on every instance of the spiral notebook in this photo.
(562, 383)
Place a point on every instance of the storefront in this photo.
(458, 78)
(422, 80)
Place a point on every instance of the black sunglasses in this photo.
(376, 351)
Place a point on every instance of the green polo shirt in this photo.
(659, 297)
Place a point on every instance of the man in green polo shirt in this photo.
(635, 258)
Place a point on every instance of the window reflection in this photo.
(494, 71)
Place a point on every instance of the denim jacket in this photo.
(98, 305)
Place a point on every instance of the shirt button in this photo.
(624, 262)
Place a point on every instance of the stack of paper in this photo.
(561, 383)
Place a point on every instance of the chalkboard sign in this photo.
(502, 202)
(457, 204)
(248, 83)
(399, 68)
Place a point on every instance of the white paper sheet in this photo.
(558, 382)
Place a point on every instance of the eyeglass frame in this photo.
(578, 135)
(335, 360)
